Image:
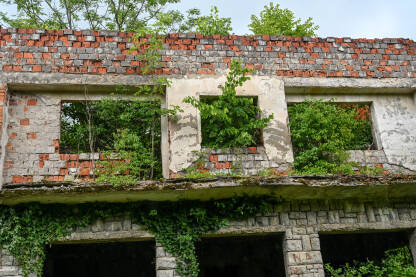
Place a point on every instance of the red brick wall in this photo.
(104, 52)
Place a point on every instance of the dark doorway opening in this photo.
(101, 259)
(338, 249)
(241, 256)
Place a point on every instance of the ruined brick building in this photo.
(320, 216)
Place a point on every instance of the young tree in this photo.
(230, 120)
(276, 21)
(213, 24)
(120, 15)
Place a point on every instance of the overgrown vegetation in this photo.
(125, 127)
(396, 262)
(26, 230)
(276, 21)
(230, 120)
(213, 24)
(322, 132)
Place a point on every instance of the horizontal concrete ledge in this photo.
(406, 84)
(91, 237)
(17, 79)
(357, 187)
(240, 229)
(330, 228)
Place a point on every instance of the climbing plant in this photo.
(321, 133)
(26, 230)
(396, 262)
(230, 120)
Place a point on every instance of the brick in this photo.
(24, 122)
(31, 102)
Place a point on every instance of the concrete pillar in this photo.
(412, 246)
(165, 263)
(302, 253)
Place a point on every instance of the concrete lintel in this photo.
(83, 237)
(72, 79)
(299, 85)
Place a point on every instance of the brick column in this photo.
(302, 253)
(412, 245)
(165, 263)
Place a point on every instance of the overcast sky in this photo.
(338, 18)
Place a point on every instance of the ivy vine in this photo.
(26, 230)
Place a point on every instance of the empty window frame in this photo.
(339, 249)
(242, 256)
(213, 128)
(359, 113)
(101, 259)
(95, 126)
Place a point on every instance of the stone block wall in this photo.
(301, 222)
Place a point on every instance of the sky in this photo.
(336, 18)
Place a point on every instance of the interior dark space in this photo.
(101, 259)
(242, 256)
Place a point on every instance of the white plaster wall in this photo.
(395, 117)
(394, 122)
(185, 133)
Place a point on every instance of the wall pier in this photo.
(302, 253)
(165, 263)
(412, 242)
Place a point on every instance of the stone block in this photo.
(293, 245)
(305, 257)
(165, 263)
(165, 273)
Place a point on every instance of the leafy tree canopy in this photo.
(120, 15)
(276, 21)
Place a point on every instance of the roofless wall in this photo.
(41, 69)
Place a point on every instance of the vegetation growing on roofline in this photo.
(276, 21)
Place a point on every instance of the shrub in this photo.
(396, 262)
(321, 132)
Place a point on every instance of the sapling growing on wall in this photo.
(230, 120)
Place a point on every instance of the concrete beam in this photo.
(287, 188)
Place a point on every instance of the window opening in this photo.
(101, 259)
(97, 126)
(244, 256)
(339, 249)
